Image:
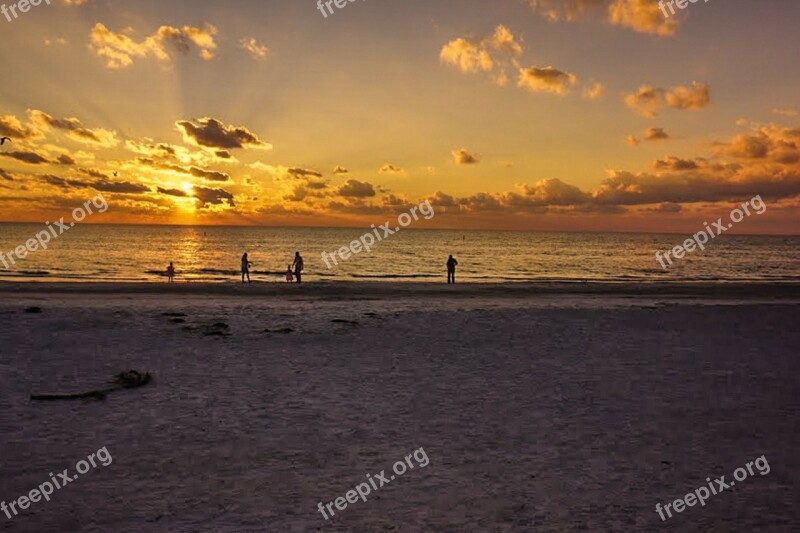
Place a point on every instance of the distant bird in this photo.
(4, 139)
(115, 173)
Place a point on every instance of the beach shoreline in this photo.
(765, 290)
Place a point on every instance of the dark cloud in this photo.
(655, 134)
(316, 185)
(173, 192)
(55, 180)
(208, 197)
(209, 175)
(303, 173)
(212, 133)
(119, 187)
(390, 169)
(6, 175)
(93, 173)
(338, 169)
(31, 158)
(356, 189)
(64, 159)
(674, 163)
(98, 185)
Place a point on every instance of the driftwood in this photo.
(123, 380)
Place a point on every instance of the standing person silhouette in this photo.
(451, 269)
(171, 273)
(246, 264)
(298, 267)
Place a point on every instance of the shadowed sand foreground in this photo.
(542, 407)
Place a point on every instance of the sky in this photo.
(553, 115)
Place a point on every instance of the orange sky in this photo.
(546, 114)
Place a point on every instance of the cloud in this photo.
(594, 91)
(499, 53)
(10, 126)
(648, 100)
(547, 79)
(212, 133)
(340, 170)
(6, 175)
(675, 164)
(93, 173)
(56, 41)
(120, 50)
(32, 158)
(695, 97)
(173, 192)
(64, 159)
(463, 157)
(209, 175)
(643, 16)
(665, 207)
(474, 55)
(655, 134)
(356, 189)
(121, 187)
(74, 129)
(152, 149)
(208, 197)
(303, 173)
(786, 112)
(769, 167)
(769, 143)
(388, 168)
(632, 141)
(103, 185)
(252, 46)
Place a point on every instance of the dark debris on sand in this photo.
(282, 330)
(123, 380)
(33, 309)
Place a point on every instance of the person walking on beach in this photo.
(298, 267)
(246, 264)
(451, 270)
(170, 273)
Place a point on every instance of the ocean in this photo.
(91, 253)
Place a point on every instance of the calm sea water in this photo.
(141, 253)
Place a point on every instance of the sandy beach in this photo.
(541, 407)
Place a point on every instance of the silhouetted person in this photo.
(170, 273)
(289, 276)
(298, 267)
(246, 264)
(451, 269)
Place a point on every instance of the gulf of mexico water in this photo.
(91, 253)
